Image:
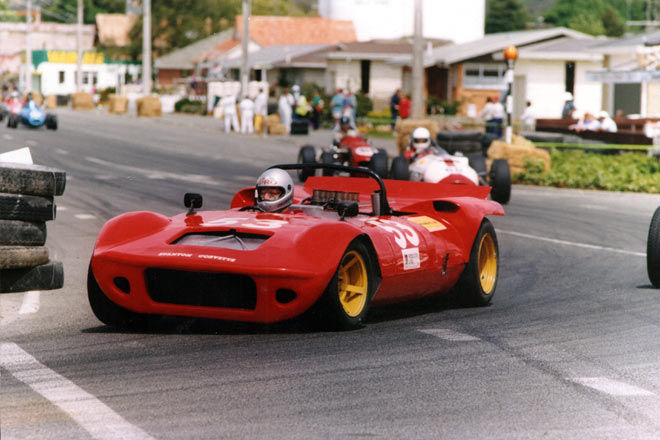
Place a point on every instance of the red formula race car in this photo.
(353, 150)
(341, 244)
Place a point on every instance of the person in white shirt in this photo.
(247, 116)
(606, 123)
(587, 123)
(228, 104)
(260, 109)
(285, 108)
(528, 117)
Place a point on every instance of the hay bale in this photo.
(405, 127)
(51, 102)
(277, 129)
(117, 104)
(272, 119)
(82, 101)
(149, 106)
(517, 152)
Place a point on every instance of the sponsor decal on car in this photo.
(411, 258)
(429, 223)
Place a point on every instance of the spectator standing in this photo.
(606, 123)
(569, 106)
(301, 105)
(228, 105)
(317, 109)
(284, 108)
(529, 116)
(247, 116)
(394, 106)
(336, 106)
(350, 105)
(404, 106)
(260, 109)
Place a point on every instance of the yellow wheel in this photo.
(352, 283)
(345, 302)
(487, 263)
(477, 283)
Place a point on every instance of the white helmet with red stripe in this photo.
(274, 190)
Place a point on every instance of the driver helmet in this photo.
(29, 96)
(274, 190)
(421, 139)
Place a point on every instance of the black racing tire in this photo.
(653, 250)
(33, 180)
(476, 285)
(478, 163)
(378, 164)
(307, 154)
(400, 169)
(27, 208)
(47, 276)
(500, 180)
(336, 309)
(107, 311)
(22, 233)
(51, 121)
(21, 257)
(327, 158)
(459, 135)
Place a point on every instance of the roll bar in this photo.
(383, 209)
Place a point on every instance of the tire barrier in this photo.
(27, 194)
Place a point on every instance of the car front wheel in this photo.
(107, 311)
(477, 283)
(653, 250)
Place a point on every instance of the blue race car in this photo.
(33, 116)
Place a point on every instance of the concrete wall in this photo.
(44, 35)
(108, 75)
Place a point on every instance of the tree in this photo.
(66, 11)
(612, 23)
(505, 15)
(595, 17)
(6, 14)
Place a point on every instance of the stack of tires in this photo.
(26, 203)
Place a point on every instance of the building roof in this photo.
(286, 31)
(184, 58)
(370, 50)
(113, 29)
(626, 44)
(285, 56)
(491, 43)
(218, 51)
(578, 49)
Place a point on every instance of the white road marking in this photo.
(61, 208)
(61, 151)
(84, 216)
(30, 304)
(90, 413)
(449, 335)
(572, 243)
(8, 136)
(610, 386)
(157, 174)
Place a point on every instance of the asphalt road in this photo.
(567, 350)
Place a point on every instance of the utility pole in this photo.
(417, 110)
(245, 69)
(28, 48)
(146, 46)
(79, 46)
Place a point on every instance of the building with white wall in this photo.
(457, 21)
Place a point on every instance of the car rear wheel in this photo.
(307, 154)
(653, 250)
(378, 164)
(500, 180)
(51, 122)
(346, 300)
(107, 311)
(399, 169)
(477, 283)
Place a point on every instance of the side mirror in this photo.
(192, 201)
(347, 209)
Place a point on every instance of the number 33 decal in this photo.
(403, 234)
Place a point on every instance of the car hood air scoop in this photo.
(223, 239)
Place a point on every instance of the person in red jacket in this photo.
(404, 106)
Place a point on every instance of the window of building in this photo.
(62, 76)
(570, 76)
(365, 74)
(85, 78)
(484, 76)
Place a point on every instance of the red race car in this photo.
(329, 248)
(351, 150)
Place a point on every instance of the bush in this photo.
(633, 172)
(364, 104)
(380, 114)
(186, 105)
(104, 94)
